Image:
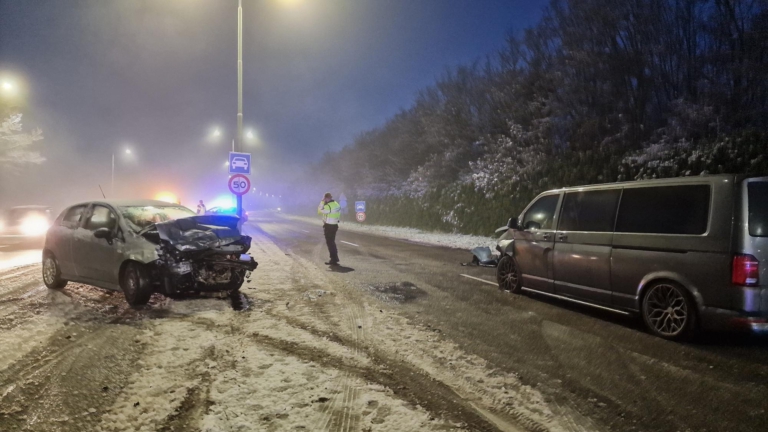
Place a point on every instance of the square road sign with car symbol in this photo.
(239, 163)
(360, 206)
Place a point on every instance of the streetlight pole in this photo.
(112, 188)
(240, 91)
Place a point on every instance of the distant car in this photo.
(222, 211)
(143, 247)
(231, 211)
(679, 252)
(25, 221)
(240, 162)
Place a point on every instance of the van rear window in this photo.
(664, 210)
(758, 208)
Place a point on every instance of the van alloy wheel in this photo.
(666, 310)
(507, 275)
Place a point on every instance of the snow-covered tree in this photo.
(15, 144)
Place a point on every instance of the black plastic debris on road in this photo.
(396, 292)
(483, 257)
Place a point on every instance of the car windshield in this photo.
(758, 209)
(140, 217)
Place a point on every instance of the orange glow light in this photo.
(167, 197)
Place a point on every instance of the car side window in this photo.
(101, 217)
(592, 211)
(72, 218)
(541, 214)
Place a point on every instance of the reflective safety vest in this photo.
(331, 212)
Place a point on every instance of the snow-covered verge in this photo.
(457, 241)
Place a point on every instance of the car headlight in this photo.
(34, 226)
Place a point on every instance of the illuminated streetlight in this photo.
(217, 132)
(7, 85)
(249, 135)
(128, 152)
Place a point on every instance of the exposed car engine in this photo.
(200, 253)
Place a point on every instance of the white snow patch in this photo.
(456, 241)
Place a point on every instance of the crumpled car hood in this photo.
(199, 232)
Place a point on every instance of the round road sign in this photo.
(360, 216)
(239, 184)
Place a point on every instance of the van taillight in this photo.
(746, 270)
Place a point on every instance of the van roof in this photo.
(672, 180)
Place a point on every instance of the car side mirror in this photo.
(532, 225)
(103, 233)
(512, 224)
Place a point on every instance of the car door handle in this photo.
(545, 236)
(562, 237)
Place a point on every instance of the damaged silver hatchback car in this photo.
(142, 247)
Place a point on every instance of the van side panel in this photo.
(751, 300)
(705, 275)
(701, 263)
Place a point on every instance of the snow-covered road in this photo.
(311, 353)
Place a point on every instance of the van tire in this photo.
(507, 275)
(135, 284)
(669, 311)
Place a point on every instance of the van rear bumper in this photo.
(719, 319)
(750, 311)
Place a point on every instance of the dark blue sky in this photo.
(158, 75)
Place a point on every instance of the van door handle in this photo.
(545, 236)
(562, 237)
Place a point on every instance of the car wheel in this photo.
(135, 285)
(52, 273)
(507, 275)
(237, 281)
(668, 311)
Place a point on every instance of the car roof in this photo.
(130, 203)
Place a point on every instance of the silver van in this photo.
(681, 252)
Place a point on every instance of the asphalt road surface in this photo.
(399, 337)
(15, 253)
(602, 365)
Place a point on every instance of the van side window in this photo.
(664, 210)
(758, 208)
(589, 211)
(541, 214)
(72, 218)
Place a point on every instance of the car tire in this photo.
(233, 286)
(507, 275)
(135, 284)
(52, 272)
(669, 311)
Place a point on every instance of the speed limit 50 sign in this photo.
(239, 184)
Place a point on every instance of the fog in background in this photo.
(158, 77)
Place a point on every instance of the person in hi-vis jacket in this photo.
(331, 211)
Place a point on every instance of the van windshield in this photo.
(758, 208)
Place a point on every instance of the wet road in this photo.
(598, 364)
(16, 254)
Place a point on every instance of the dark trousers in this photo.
(330, 240)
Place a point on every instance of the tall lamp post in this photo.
(112, 187)
(239, 139)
